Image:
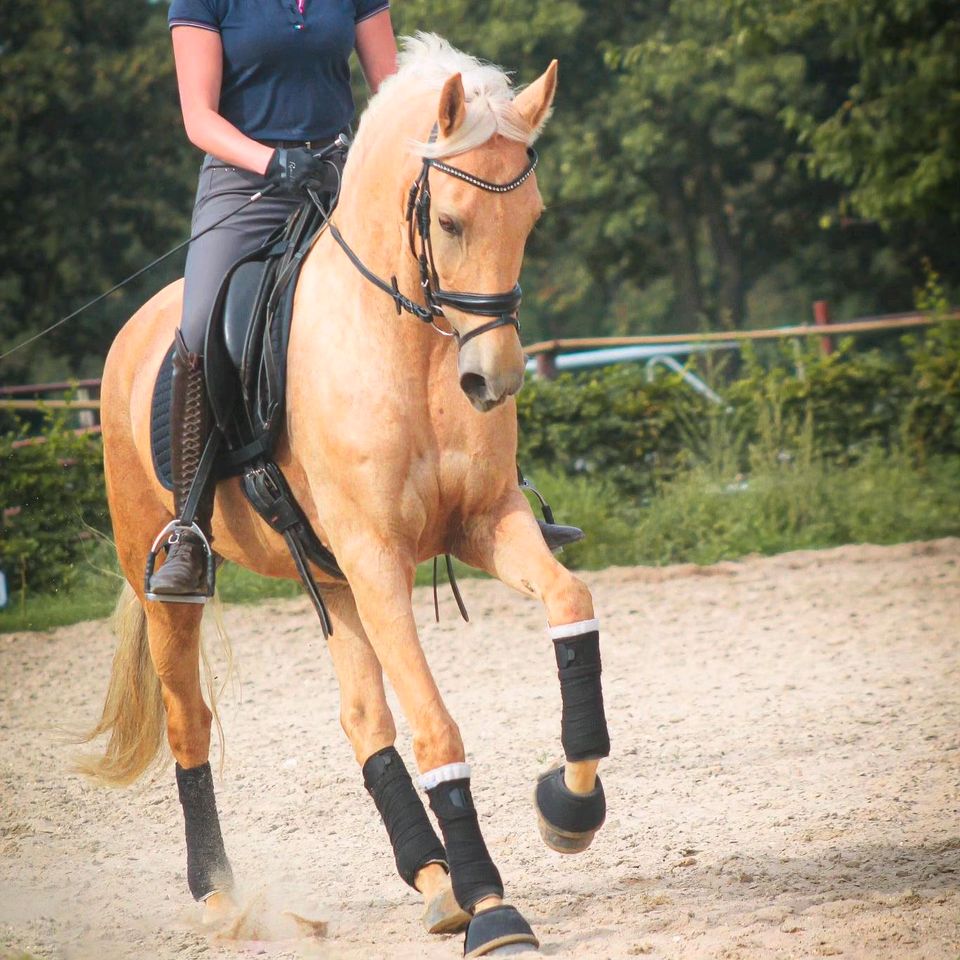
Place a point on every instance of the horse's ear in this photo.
(534, 102)
(453, 106)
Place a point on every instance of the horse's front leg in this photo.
(381, 578)
(507, 543)
(368, 723)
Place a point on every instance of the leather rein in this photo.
(503, 307)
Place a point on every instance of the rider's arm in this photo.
(376, 48)
(198, 55)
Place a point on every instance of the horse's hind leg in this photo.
(508, 544)
(173, 631)
(368, 723)
(173, 639)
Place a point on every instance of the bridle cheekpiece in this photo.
(503, 307)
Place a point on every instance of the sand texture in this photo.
(784, 778)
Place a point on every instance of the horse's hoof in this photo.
(443, 914)
(568, 821)
(499, 931)
(218, 907)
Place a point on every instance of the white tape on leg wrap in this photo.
(449, 771)
(566, 630)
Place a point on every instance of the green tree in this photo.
(894, 139)
(709, 162)
(97, 169)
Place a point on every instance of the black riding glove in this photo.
(295, 169)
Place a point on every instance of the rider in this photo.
(263, 86)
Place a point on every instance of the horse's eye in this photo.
(448, 225)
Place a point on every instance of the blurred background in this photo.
(711, 163)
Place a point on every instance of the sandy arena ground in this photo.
(784, 781)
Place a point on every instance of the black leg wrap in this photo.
(208, 869)
(583, 726)
(415, 842)
(472, 872)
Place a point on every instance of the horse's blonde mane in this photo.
(430, 61)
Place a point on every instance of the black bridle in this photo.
(503, 307)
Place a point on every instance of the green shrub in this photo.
(52, 495)
(932, 419)
(850, 400)
(612, 423)
(639, 434)
(597, 506)
(705, 516)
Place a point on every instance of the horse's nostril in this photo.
(473, 385)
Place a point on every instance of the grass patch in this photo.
(95, 583)
(706, 516)
(57, 609)
(238, 585)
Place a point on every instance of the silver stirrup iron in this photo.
(174, 529)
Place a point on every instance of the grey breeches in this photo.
(220, 190)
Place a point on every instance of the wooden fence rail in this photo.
(543, 348)
(49, 404)
(58, 387)
(900, 321)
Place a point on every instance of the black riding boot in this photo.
(184, 572)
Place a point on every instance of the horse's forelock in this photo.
(428, 60)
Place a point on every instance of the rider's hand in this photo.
(295, 169)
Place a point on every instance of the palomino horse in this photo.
(399, 444)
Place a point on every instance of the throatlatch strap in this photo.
(472, 871)
(583, 725)
(208, 869)
(415, 842)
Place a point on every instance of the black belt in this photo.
(290, 144)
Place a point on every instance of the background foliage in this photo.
(638, 434)
(795, 436)
(56, 490)
(709, 163)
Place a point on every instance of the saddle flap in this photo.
(238, 307)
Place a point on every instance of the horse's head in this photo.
(481, 210)
(467, 142)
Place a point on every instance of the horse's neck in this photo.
(370, 219)
(384, 385)
(346, 327)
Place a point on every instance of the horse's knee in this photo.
(436, 739)
(567, 599)
(368, 728)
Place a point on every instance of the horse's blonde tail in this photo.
(133, 713)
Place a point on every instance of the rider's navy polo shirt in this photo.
(285, 70)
